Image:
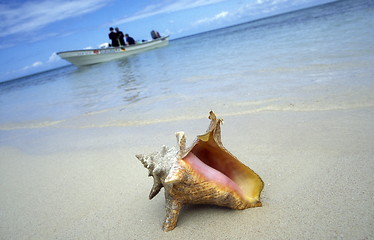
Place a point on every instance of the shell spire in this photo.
(205, 173)
(158, 165)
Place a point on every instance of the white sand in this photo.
(62, 183)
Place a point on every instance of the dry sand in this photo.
(71, 183)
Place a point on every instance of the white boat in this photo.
(98, 55)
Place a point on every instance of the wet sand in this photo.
(85, 183)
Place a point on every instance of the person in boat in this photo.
(113, 36)
(155, 34)
(129, 40)
(120, 37)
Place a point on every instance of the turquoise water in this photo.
(315, 59)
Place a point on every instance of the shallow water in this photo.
(310, 60)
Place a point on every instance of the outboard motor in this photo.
(155, 34)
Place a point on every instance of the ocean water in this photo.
(316, 59)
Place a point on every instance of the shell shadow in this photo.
(194, 212)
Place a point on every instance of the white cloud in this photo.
(6, 45)
(217, 17)
(252, 10)
(53, 58)
(34, 65)
(266, 7)
(269, 6)
(33, 15)
(166, 6)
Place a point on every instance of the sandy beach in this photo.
(85, 183)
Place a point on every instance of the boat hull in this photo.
(93, 56)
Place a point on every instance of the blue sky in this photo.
(32, 31)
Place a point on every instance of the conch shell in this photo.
(205, 173)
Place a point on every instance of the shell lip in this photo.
(240, 179)
(210, 174)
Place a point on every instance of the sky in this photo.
(32, 31)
